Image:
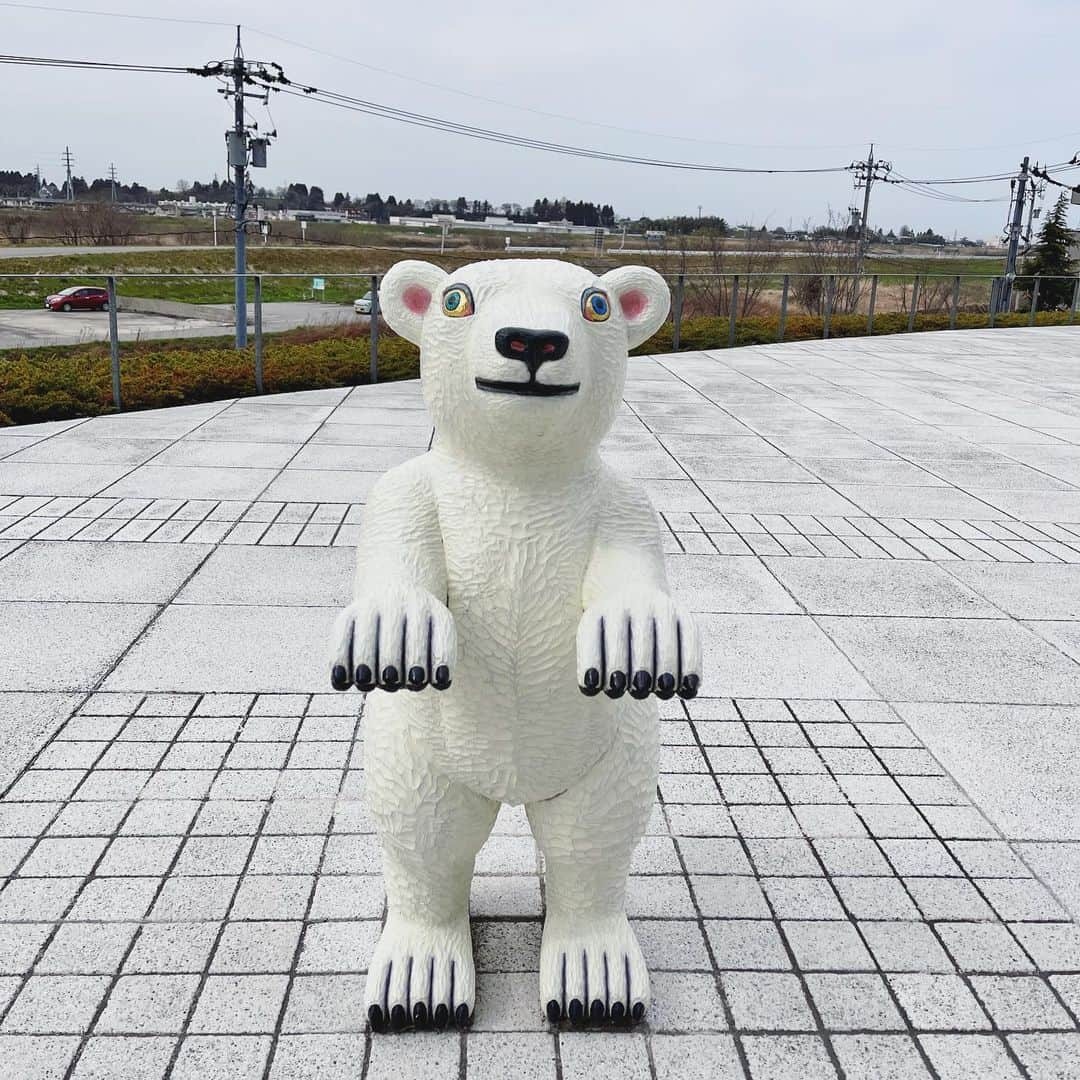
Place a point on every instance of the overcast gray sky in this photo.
(944, 87)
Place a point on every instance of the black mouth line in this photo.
(532, 388)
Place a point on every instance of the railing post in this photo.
(955, 302)
(783, 308)
(1076, 300)
(873, 301)
(258, 335)
(734, 312)
(676, 335)
(1034, 301)
(830, 287)
(993, 301)
(114, 344)
(914, 302)
(374, 328)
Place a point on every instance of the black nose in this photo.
(532, 347)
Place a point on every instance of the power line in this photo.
(405, 116)
(113, 14)
(95, 65)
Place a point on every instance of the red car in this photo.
(79, 298)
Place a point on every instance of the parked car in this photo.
(79, 298)
(363, 305)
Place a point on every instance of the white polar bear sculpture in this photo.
(508, 577)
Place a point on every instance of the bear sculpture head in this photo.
(523, 361)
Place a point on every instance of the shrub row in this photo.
(75, 381)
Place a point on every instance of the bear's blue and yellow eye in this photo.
(457, 301)
(595, 305)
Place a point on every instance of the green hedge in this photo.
(74, 381)
(59, 384)
(712, 333)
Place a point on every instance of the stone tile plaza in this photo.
(864, 860)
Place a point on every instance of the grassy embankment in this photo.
(190, 270)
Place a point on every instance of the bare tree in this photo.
(831, 259)
(90, 223)
(15, 227)
(755, 264)
(935, 294)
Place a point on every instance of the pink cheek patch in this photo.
(416, 298)
(633, 303)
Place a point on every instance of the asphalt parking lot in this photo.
(30, 328)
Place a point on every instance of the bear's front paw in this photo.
(403, 639)
(639, 644)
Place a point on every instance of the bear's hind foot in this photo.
(592, 970)
(421, 976)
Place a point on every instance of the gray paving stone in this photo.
(788, 1057)
(55, 1005)
(879, 1057)
(216, 1057)
(148, 1004)
(589, 1054)
(938, 1002)
(969, 1057)
(529, 1056)
(44, 629)
(1049, 1056)
(317, 1057)
(225, 648)
(37, 1057)
(694, 1057)
(103, 573)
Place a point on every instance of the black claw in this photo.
(364, 679)
(639, 1011)
(689, 686)
(397, 1017)
(419, 1015)
(597, 1010)
(417, 678)
(339, 677)
(442, 677)
(442, 1015)
(576, 1012)
(390, 678)
(618, 1010)
(617, 685)
(641, 686)
(665, 686)
(462, 1016)
(375, 1017)
(554, 1012)
(591, 685)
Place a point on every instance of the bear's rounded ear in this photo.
(405, 294)
(643, 298)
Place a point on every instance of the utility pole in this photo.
(1015, 226)
(112, 180)
(238, 161)
(238, 73)
(67, 163)
(866, 172)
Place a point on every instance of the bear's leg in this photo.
(431, 829)
(591, 966)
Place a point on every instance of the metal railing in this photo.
(823, 302)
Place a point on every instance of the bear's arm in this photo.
(627, 551)
(400, 543)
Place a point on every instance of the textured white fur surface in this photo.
(511, 558)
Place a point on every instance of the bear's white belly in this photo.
(514, 724)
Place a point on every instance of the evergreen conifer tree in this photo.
(1049, 258)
